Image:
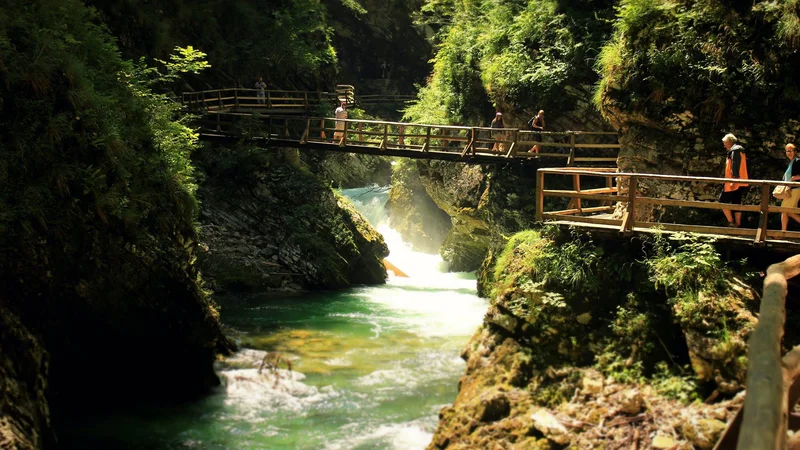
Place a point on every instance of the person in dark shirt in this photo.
(792, 174)
(537, 123)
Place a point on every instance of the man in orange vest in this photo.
(735, 167)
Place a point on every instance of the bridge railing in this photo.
(435, 140)
(619, 194)
(772, 385)
(234, 98)
(382, 99)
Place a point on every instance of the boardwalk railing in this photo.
(237, 98)
(232, 99)
(772, 383)
(609, 196)
(383, 99)
(411, 139)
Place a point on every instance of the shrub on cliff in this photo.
(579, 302)
(713, 306)
(563, 292)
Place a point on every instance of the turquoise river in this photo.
(372, 366)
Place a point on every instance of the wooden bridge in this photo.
(412, 140)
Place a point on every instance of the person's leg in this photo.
(784, 221)
(737, 200)
(792, 202)
(725, 197)
(728, 215)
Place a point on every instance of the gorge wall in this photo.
(269, 224)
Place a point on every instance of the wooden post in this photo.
(305, 100)
(286, 127)
(343, 142)
(629, 217)
(472, 142)
(236, 97)
(427, 144)
(576, 184)
(761, 233)
(269, 100)
(304, 139)
(219, 99)
(512, 152)
(269, 128)
(400, 138)
(539, 195)
(360, 129)
(322, 128)
(571, 159)
(385, 136)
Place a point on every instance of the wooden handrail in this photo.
(628, 223)
(766, 409)
(654, 176)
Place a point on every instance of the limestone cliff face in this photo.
(268, 224)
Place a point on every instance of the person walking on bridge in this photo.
(792, 174)
(536, 123)
(340, 113)
(735, 167)
(497, 122)
(260, 93)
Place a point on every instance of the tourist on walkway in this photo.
(260, 87)
(497, 122)
(792, 174)
(537, 123)
(735, 167)
(340, 113)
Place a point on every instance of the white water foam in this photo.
(400, 436)
(251, 393)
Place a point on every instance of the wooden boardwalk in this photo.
(412, 140)
(611, 211)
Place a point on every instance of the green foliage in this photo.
(287, 43)
(693, 266)
(612, 364)
(724, 64)
(517, 55)
(680, 387)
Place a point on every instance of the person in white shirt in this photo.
(340, 113)
(260, 86)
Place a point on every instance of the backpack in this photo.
(530, 122)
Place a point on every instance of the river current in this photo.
(371, 366)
